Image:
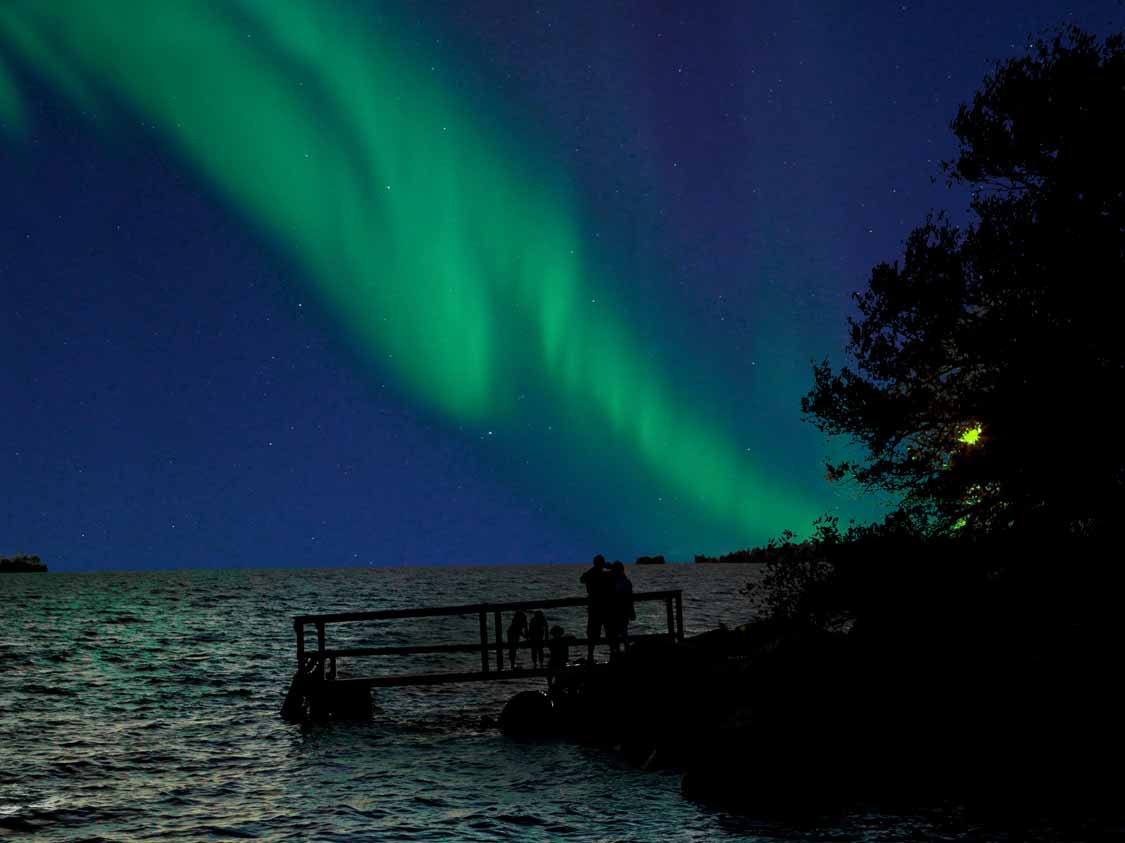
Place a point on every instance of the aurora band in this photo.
(453, 265)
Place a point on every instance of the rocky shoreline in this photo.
(777, 721)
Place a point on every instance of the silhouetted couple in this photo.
(535, 631)
(611, 606)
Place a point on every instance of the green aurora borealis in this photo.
(455, 263)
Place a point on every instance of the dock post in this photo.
(299, 628)
(483, 641)
(671, 618)
(679, 616)
(320, 649)
(499, 642)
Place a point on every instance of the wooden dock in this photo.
(317, 686)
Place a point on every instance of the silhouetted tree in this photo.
(984, 369)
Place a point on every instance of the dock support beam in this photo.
(299, 628)
(499, 641)
(483, 641)
(320, 647)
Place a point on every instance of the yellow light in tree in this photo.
(971, 436)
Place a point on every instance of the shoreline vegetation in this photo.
(962, 655)
(754, 555)
(888, 672)
(22, 564)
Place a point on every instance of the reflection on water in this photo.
(142, 706)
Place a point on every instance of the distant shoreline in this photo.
(22, 564)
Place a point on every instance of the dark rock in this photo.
(526, 714)
(321, 700)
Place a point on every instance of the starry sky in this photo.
(375, 283)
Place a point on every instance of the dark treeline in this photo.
(983, 368)
(967, 647)
(774, 551)
(22, 564)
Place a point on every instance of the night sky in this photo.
(418, 283)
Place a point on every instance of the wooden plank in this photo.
(423, 649)
(469, 609)
(439, 678)
(404, 650)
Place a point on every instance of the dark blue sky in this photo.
(174, 396)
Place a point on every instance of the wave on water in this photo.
(35, 689)
(143, 715)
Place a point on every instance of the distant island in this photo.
(22, 564)
(650, 560)
(757, 554)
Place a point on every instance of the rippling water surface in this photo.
(145, 706)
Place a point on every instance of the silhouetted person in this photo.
(559, 648)
(621, 608)
(599, 588)
(537, 632)
(516, 631)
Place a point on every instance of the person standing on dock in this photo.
(537, 632)
(599, 588)
(621, 609)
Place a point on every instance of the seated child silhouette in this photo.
(559, 647)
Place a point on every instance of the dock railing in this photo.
(321, 663)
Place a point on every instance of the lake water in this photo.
(145, 707)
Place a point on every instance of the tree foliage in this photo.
(984, 367)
